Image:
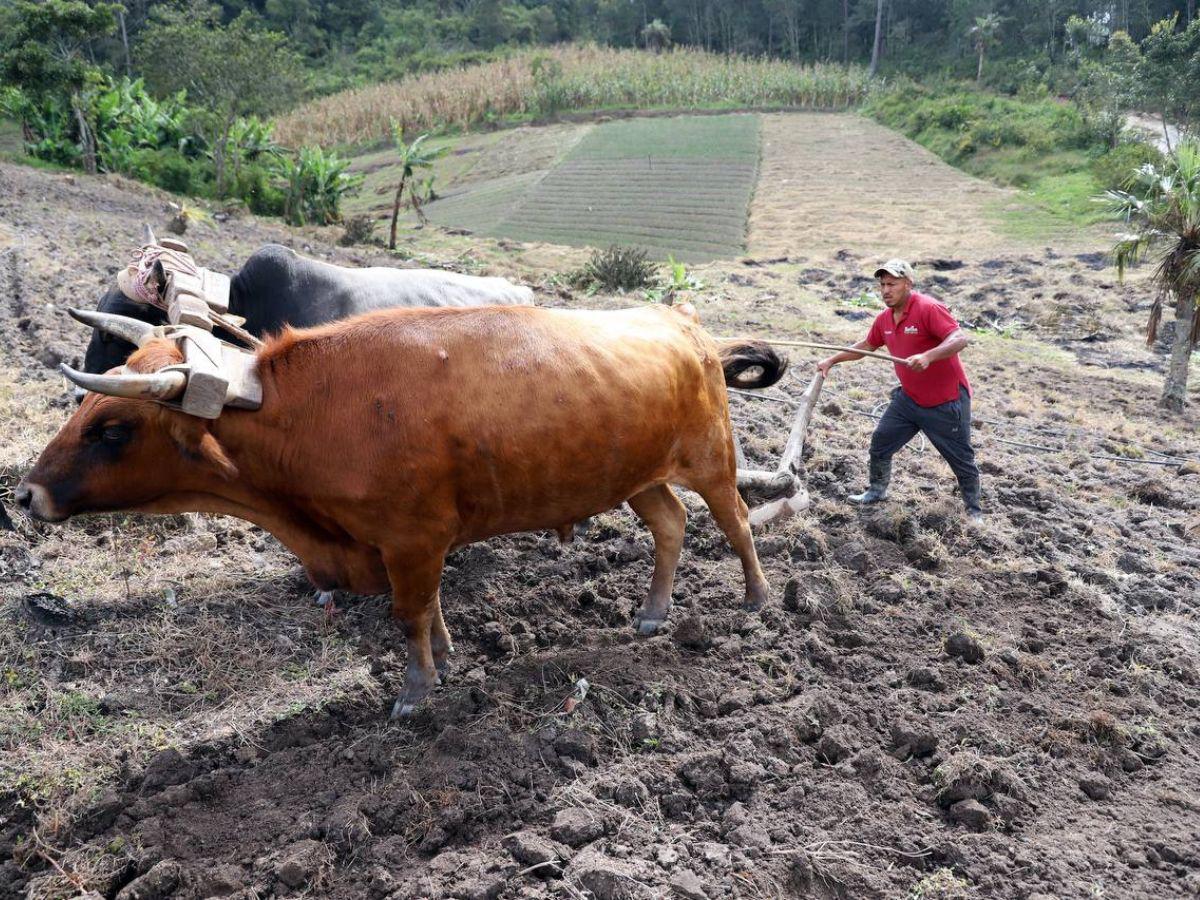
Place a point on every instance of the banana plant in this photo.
(314, 182)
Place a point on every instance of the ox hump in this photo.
(687, 311)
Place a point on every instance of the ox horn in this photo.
(149, 386)
(126, 328)
(150, 239)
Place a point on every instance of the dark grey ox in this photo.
(278, 287)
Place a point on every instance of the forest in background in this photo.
(184, 95)
(356, 42)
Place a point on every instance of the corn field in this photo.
(541, 83)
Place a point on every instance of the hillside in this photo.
(701, 188)
(175, 709)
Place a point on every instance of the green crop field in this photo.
(673, 186)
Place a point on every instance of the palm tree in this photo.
(983, 34)
(412, 157)
(1162, 209)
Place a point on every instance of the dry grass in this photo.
(181, 657)
(537, 84)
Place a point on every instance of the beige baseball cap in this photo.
(897, 267)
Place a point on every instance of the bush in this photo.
(959, 122)
(254, 184)
(616, 269)
(358, 230)
(313, 183)
(1115, 168)
(168, 169)
(1015, 77)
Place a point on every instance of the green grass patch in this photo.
(500, 164)
(1040, 146)
(730, 137)
(1058, 189)
(670, 186)
(11, 143)
(959, 123)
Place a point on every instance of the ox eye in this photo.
(115, 434)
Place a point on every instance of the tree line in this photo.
(345, 42)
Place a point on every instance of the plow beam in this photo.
(783, 489)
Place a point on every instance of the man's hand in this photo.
(918, 362)
(826, 364)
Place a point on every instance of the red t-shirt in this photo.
(925, 324)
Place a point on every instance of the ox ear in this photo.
(195, 441)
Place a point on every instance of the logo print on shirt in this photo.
(910, 329)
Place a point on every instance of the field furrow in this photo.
(679, 186)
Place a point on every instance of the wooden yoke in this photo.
(191, 293)
(218, 374)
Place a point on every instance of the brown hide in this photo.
(386, 440)
(470, 424)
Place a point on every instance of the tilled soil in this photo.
(922, 710)
(832, 180)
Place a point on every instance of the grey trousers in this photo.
(948, 427)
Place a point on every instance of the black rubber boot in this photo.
(880, 472)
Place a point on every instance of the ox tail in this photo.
(751, 364)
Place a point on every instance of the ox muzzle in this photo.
(37, 503)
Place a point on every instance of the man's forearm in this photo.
(847, 355)
(954, 343)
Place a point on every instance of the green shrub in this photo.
(168, 169)
(961, 122)
(313, 183)
(358, 230)
(122, 111)
(255, 184)
(1015, 77)
(51, 124)
(1115, 168)
(616, 269)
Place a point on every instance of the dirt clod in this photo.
(686, 883)
(691, 633)
(531, 849)
(965, 646)
(576, 827)
(160, 882)
(167, 767)
(913, 739)
(836, 745)
(1097, 787)
(605, 877)
(971, 813)
(301, 862)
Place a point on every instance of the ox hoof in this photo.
(443, 668)
(324, 598)
(647, 627)
(403, 709)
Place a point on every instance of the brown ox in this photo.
(385, 441)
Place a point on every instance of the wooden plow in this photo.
(781, 494)
(773, 496)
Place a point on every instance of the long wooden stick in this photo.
(236, 330)
(870, 353)
(790, 461)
